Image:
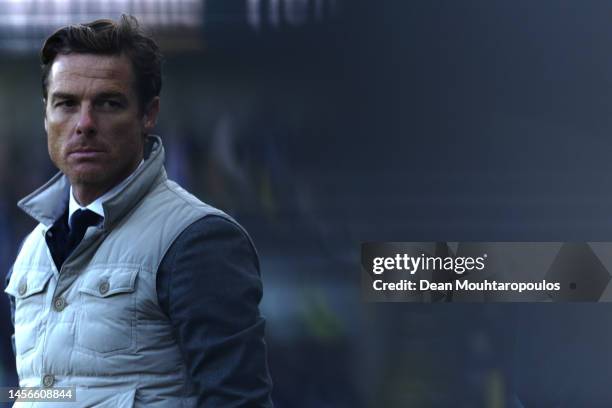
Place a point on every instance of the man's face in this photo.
(94, 125)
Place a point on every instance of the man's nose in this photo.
(87, 122)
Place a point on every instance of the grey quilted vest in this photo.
(97, 324)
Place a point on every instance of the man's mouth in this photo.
(85, 153)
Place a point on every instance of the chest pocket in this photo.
(107, 312)
(28, 287)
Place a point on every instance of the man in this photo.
(130, 288)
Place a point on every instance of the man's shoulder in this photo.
(170, 197)
(210, 220)
(167, 211)
(214, 228)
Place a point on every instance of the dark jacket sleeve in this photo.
(209, 285)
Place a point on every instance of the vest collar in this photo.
(50, 201)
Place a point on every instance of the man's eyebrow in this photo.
(62, 95)
(111, 94)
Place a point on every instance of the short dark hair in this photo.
(108, 37)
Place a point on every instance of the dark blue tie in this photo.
(79, 222)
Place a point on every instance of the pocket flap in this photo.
(110, 281)
(27, 282)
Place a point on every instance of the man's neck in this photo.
(85, 195)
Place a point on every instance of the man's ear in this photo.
(149, 119)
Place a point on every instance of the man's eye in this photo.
(110, 104)
(65, 104)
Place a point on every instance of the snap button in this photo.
(23, 287)
(103, 288)
(59, 304)
(48, 380)
(50, 234)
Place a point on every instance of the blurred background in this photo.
(322, 124)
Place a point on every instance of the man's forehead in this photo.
(84, 68)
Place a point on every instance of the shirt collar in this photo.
(96, 205)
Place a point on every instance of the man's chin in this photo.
(97, 174)
(93, 176)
